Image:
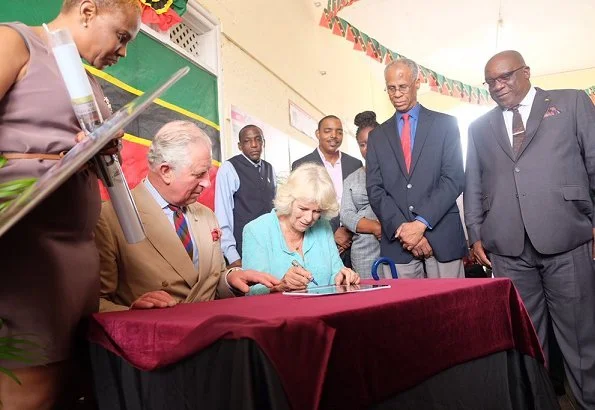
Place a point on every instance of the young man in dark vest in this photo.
(244, 190)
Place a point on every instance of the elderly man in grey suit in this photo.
(414, 175)
(530, 180)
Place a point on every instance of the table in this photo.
(346, 351)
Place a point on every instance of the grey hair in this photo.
(404, 61)
(170, 144)
(308, 182)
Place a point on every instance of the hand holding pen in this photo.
(297, 265)
(296, 278)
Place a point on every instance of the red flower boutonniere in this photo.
(216, 234)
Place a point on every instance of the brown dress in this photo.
(49, 266)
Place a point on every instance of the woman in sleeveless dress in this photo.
(49, 264)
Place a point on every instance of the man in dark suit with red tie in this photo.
(414, 176)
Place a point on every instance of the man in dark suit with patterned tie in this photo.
(414, 176)
(530, 181)
(339, 166)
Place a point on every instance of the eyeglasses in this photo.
(403, 89)
(490, 82)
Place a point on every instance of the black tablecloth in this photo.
(236, 374)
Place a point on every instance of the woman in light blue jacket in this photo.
(295, 242)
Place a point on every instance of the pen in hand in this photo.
(297, 265)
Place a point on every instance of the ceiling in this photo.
(457, 37)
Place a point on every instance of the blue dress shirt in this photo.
(265, 250)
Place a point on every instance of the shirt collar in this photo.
(256, 164)
(155, 194)
(528, 100)
(413, 112)
(322, 157)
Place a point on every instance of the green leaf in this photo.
(17, 184)
(18, 349)
(11, 375)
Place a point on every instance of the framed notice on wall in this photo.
(302, 121)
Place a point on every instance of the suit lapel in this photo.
(540, 105)
(203, 239)
(394, 139)
(499, 129)
(424, 124)
(315, 156)
(162, 235)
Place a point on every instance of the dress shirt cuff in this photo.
(233, 290)
(422, 220)
(231, 254)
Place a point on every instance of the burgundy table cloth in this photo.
(351, 350)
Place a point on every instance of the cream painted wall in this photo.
(252, 88)
(581, 79)
(274, 50)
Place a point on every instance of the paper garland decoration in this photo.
(373, 49)
(163, 13)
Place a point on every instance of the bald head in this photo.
(507, 77)
(508, 55)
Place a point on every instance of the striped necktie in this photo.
(181, 227)
(518, 130)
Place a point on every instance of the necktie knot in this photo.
(515, 108)
(405, 117)
(176, 209)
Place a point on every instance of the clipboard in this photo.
(80, 154)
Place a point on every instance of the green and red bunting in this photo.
(163, 13)
(373, 49)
